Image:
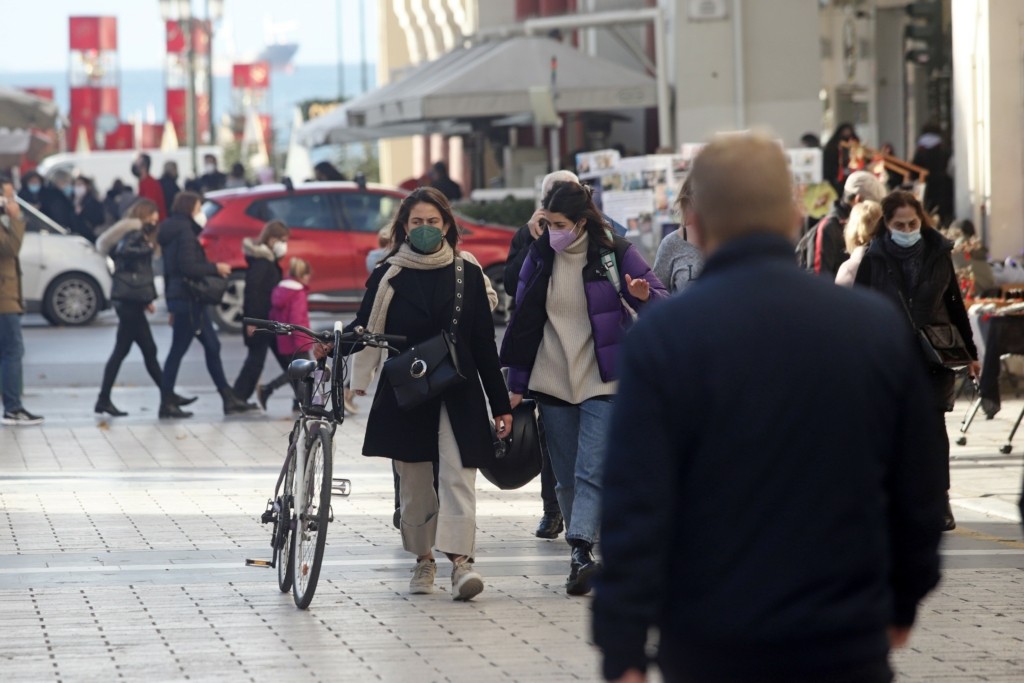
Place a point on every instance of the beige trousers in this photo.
(445, 520)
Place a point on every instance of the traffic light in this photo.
(924, 33)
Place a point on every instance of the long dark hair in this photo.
(423, 195)
(576, 202)
(899, 199)
(185, 203)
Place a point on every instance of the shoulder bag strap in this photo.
(460, 289)
(899, 293)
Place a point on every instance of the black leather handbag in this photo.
(424, 371)
(942, 344)
(133, 287)
(207, 290)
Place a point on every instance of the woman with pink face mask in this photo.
(579, 289)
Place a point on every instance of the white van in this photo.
(103, 166)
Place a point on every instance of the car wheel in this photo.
(228, 313)
(72, 299)
(496, 274)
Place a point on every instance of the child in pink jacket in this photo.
(289, 304)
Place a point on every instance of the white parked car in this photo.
(63, 276)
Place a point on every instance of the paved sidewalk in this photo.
(122, 546)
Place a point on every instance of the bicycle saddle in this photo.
(301, 368)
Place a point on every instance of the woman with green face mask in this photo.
(412, 293)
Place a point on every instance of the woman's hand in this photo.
(503, 426)
(321, 351)
(223, 269)
(974, 369)
(359, 392)
(535, 225)
(639, 288)
(515, 399)
(250, 330)
(632, 676)
(899, 636)
(151, 307)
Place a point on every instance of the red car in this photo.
(333, 226)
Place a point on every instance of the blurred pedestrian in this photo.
(836, 156)
(679, 262)
(57, 197)
(375, 256)
(131, 243)
(415, 296)
(12, 347)
(183, 258)
(910, 263)
(89, 215)
(578, 288)
(149, 187)
(262, 273)
(113, 201)
(169, 183)
(212, 178)
(933, 155)
(325, 170)
(236, 178)
(440, 180)
(32, 190)
(858, 233)
(289, 304)
(827, 239)
(773, 513)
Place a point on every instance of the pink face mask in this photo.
(561, 239)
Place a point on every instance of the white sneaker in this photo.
(466, 583)
(423, 574)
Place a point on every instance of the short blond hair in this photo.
(740, 184)
(298, 268)
(865, 218)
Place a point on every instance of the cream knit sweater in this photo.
(566, 366)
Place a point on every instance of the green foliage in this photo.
(509, 211)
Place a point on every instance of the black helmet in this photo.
(517, 459)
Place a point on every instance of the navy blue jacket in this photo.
(773, 497)
(183, 255)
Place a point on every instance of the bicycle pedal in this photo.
(270, 514)
(341, 487)
(265, 564)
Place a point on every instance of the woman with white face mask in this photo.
(262, 275)
(910, 262)
(184, 258)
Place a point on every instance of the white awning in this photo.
(495, 79)
(22, 110)
(334, 128)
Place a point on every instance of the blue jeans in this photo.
(191, 320)
(576, 438)
(12, 349)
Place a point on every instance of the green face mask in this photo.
(426, 238)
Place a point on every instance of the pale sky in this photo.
(35, 37)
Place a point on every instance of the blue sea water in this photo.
(142, 90)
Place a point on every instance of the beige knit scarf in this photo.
(366, 362)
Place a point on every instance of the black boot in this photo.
(550, 526)
(582, 568)
(170, 409)
(183, 400)
(233, 404)
(947, 517)
(105, 405)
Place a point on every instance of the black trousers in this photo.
(132, 328)
(547, 475)
(252, 368)
(877, 671)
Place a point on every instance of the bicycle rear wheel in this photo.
(283, 536)
(310, 535)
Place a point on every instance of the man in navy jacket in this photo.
(770, 505)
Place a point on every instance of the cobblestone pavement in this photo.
(122, 546)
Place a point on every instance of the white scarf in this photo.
(366, 362)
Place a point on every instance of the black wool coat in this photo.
(411, 435)
(183, 254)
(261, 277)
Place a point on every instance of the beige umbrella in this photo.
(21, 110)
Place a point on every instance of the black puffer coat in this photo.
(261, 277)
(935, 300)
(183, 255)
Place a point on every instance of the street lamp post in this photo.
(180, 12)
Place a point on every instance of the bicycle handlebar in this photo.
(358, 335)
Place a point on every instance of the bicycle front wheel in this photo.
(310, 535)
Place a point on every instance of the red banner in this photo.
(122, 138)
(200, 37)
(254, 76)
(177, 114)
(92, 33)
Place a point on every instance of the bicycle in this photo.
(300, 507)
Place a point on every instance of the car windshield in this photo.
(37, 221)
